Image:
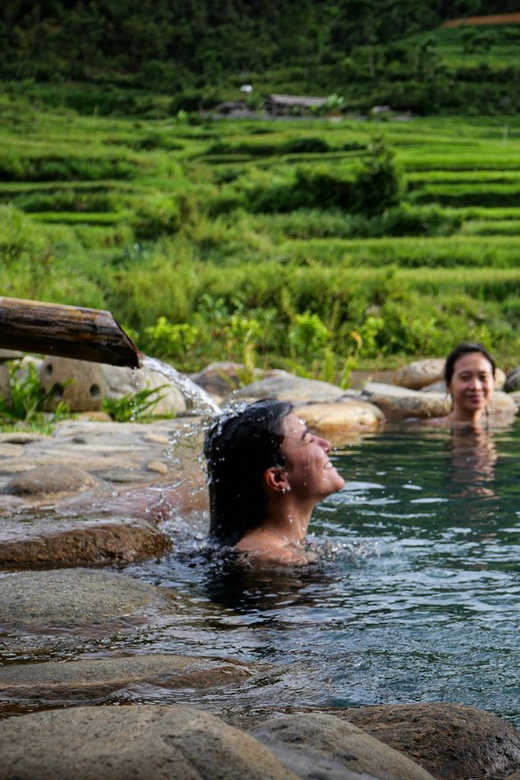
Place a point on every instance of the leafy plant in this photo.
(133, 406)
(307, 335)
(171, 340)
(28, 399)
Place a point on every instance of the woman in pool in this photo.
(266, 473)
(470, 379)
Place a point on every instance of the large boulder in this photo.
(420, 373)
(66, 540)
(121, 381)
(78, 383)
(512, 381)
(503, 404)
(452, 741)
(221, 378)
(341, 746)
(430, 372)
(142, 742)
(287, 387)
(71, 598)
(399, 403)
(47, 480)
(335, 421)
(500, 379)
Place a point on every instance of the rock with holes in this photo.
(79, 383)
(120, 381)
(5, 383)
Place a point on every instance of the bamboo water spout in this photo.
(67, 331)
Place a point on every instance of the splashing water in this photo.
(202, 402)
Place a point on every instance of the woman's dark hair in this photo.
(240, 445)
(465, 349)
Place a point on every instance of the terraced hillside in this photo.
(317, 244)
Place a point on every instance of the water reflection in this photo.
(472, 462)
(261, 590)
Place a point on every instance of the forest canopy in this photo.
(184, 43)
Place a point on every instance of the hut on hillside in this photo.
(284, 105)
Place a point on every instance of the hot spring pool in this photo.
(415, 599)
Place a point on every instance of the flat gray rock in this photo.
(68, 539)
(287, 387)
(49, 479)
(410, 404)
(93, 493)
(335, 420)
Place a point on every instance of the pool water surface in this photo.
(415, 597)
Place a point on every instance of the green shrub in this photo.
(378, 183)
(155, 217)
(311, 144)
(172, 341)
(307, 335)
(405, 220)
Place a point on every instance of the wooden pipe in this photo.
(67, 331)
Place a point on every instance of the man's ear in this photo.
(275, 478)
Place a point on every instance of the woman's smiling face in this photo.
(310, 473)
(472, 383)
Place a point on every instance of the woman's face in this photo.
(472, 383)
(309, 471)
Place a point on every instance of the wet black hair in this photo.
(239, 446)
(465, 349)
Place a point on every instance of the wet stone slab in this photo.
(94, 493)
(75, 598)
(92, 678)
(70, 540)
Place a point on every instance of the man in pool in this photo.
(266, 473)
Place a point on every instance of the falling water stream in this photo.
(201, 401)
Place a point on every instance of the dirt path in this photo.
(513, 18)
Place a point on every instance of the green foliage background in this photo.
(316, 244)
